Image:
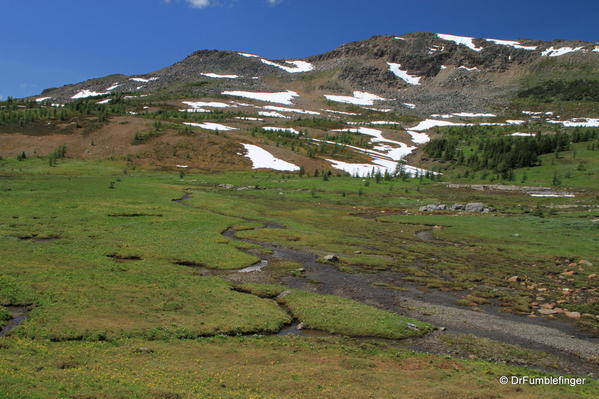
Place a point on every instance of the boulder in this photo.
(474, 207)
(457, 207)
(433, 207)
(547, 311)
(572, 315)
(331, 258)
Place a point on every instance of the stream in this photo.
(559, 338)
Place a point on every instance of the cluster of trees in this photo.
(574, 90)
(349, 138)
(22, 113)
(503, 153)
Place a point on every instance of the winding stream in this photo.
(557, 337)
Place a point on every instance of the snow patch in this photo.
(578, 122)
(284, 97)
(104, 101)
(410, 105)
(248, 55)
(419, 138)
(359, 98)
(340, 112)
(262, 159)
(210, 126)
(42, 99)
(404, 75)
(248, 118)
(284, 109)
(460, 40)
(281, 129)
(142, 80)
(219, 76)
(464, 115)
(87, 93)
(200, 104)
(432, 123)
(511, 43)
(556, 52)
(297, 66)
(272, 114)
(473, 69)
(519, 134)
(537, 113)
(114, 86)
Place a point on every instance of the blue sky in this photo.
(48, 43)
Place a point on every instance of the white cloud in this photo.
(208, 3)
(198, 3)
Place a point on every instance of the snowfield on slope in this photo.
(404, 75)
(511, 43)
(359, 98)
(87, 93)
(262, 159)
(556, 52)
(460, 40)
(296, 66)
(142, 80)
(285, 97)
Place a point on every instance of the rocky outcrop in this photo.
(474, 207)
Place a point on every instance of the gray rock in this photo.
(433, 207)
(474, 207)
(457, 207)
(331, 258)
(284, 294)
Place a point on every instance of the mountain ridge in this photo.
(444, 64)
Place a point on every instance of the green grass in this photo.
(343, 316)
(487, 349)
(261, 290)
(252, 368)
(4, 316)
(142, 298)
(81, 291)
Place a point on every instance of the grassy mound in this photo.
(344, 316)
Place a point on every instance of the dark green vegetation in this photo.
(489, 153)
(559, 90)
